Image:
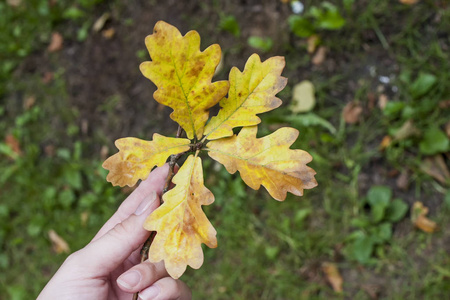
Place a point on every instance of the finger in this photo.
(166, 288)
(154, 183)
(141, 276)
(109, 251)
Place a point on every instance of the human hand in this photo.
(109, 266)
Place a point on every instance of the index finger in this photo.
(154, 183)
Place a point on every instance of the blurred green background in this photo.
(377, 123)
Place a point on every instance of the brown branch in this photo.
(172, 162)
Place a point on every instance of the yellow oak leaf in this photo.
(251, 92)
(183, 74)
(180, 223)
(266, 161)
(136, 157)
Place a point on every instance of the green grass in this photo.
(267, 249)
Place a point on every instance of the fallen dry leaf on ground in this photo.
(29, 102)
(312, 42)
(447, 128)
(385, 142)
(444, 104)
(407, 130)
(352, 112)
(100, 22)
(402, 181)
(13, 143)
(303, 99)
(409, 2)
(435, 167)
(419, 219)
(382, 101)
(14, 3)
(320, 55)
(59, 245)
(333, 276)
(47, 77)
(55, 43)
(108, 33)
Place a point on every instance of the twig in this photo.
(172, 162)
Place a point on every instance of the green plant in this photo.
(375, 228)
(324, 17)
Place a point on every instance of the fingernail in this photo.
(129, 279)
(145, 203)
(149, 293)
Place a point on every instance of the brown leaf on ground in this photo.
(385, 142)
(49, 150)
(352, 112)
(419, 219)
(313, 41)
(100, 22)
(109, 33)
(104, 151)
(382, 101)
(444, 103)
(55, 43)
(407, 130)
(13, 143)
(435, 167)
(59, 245)
(47, 77)
(14, 3)
(333, 276)
(402, 181)
(28, 102)
(320, 56)
(372, 290)
(409, 2)
(447, 128)
(84, 217)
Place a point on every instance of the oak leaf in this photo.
(180, 223)
(137, 157)
(183, 76)
(251, 92)
(267, 161)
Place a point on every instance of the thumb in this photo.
(106, 253)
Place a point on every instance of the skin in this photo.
(109, 266)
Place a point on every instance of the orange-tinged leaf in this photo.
(13, 143)
(436, 167)
(267, 161)
(136, 157)
(180, 223)
(418, 217)
(352, 112)
(333, 276)
(251, 92)
(56, 42)
(59, 245)
(183, 76)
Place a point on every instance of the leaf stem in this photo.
(172, 162)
